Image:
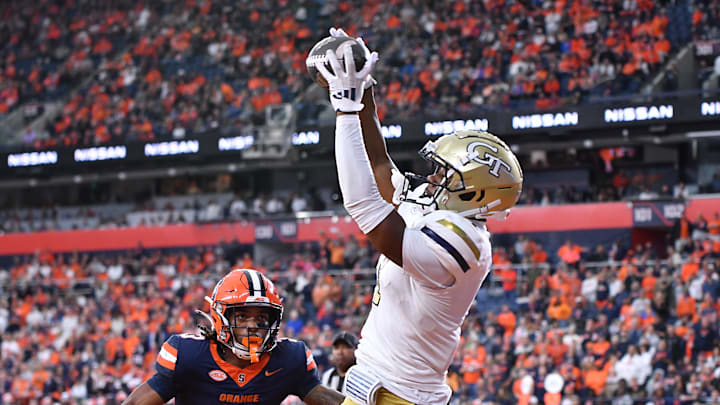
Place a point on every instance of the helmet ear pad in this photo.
(470, 195)
(218, 324)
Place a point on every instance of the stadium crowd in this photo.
(165, 70)
(50, 47)
(620, 325)
(190, 69)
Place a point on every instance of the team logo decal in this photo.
(494, 162)
(269, 373)
(218, 375)
(215, 290)
(241, 378)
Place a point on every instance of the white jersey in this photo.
(413, 329)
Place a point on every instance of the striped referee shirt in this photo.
(331, 379)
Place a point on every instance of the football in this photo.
(338, 45)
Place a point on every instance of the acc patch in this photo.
(218, 375)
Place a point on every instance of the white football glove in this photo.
(339, 32)
(346, 85)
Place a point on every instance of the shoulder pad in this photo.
(288, 345)
(168, 355)
(185, 345)
(297, 350)
(191, 336)
(458, 236)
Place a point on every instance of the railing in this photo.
(363, 276)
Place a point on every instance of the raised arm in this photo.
(375, 147)
(375, 216)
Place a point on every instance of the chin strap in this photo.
(207, 332)
(410, 187)
(483, 212)
(501, 215)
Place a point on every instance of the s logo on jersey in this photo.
(241, 378)
(218, 375)
(494, 162)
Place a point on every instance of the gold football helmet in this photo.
(481, 177)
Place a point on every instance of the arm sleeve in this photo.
(307, 376)
(361, 196)
(163, 382)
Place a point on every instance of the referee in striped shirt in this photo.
(342, 358)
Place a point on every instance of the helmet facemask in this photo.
(248, 342)
(415, 187)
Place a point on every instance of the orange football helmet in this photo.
(243, 288)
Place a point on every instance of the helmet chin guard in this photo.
(414, 190)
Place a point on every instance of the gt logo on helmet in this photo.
(494, 162)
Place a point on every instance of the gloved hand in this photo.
(339, 32)
(347, 85)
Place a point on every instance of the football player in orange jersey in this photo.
(238, 360)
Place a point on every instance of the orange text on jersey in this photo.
(239, 399)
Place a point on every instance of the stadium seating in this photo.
(592, 321)
(49, 50)
(209, 66)
(622, 325)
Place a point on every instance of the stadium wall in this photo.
(587, 224)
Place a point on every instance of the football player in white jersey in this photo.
(435, 247)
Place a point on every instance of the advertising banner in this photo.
(654, 214)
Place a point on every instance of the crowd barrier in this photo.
(587, 224)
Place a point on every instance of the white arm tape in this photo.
(361, 385)
(361, 196)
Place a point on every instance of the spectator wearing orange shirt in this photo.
(507, 320)
(247, 261)
(556, 349)
(595, 374)
(559, 308)
(508, 277)
(336, 249)
(681, 233)
(714, 227)
(569, 252)
(472, 364)
(648, 282)
(686, 306)
(689, 270)
(538, 254)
